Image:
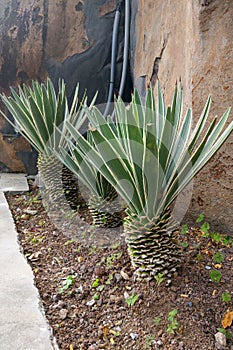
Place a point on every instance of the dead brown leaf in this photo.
(227, 319)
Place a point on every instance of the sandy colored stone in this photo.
(192, 41)
(9, 157)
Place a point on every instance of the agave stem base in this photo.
(152, 246)
(105, 212)
(60, 190)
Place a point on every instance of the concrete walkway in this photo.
(22, 323)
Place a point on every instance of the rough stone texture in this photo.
(192, 40)
(69, 39)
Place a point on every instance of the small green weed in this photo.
(216, 237)
(70, 241)
(228, 334)
(227, 240)
(96, 296)
(149, 340)
(200, 218)
(226, 297)
(69, 281)
(131, 300)
(159, 278)
(115, 246)
(95, 284)
(218, 257)
(205, 229)
(111, 259)
(110, 278)
(173, 324)
(215, 276)
(100, 288)
(36, 240)
(184, 229)
(184, 244)
(199, 256)
(157, 320)
(92, 250)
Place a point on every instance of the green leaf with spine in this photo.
(38, 113)
(105, 206)
(149, 155)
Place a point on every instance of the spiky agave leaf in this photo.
(149, 155)
(103, 201)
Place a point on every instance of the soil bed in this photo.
(84, 289)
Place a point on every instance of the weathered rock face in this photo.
(69, 39)
(192, 40)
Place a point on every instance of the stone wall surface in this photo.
(193, 40)
(57, 38)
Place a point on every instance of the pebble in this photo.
(93, 347)
(159, 342)
(189, 303)
(124, 275)
(134, 336)
(59, 305)
(112, 298)
(56, 297)
(207, 267)
(63, 313)
(91, 302)
(79, 289)
(118, 277)
(30, 211)
(220, 340)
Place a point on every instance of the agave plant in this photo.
(38, 112)
(103, 201)
(149, 155)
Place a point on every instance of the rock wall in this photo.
(57, 38)
(193, 40)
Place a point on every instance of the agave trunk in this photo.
(106, 212)
(71, 188)
(152, 246)
(54, 177)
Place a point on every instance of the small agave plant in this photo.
(103, 201)
(38, 112)
(149, 155)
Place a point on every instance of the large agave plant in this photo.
(149, 155)
(38, 112)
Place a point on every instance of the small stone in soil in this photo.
(220, 340)
(134, 336)
(189, 303)
(91, 302)
(63, 313)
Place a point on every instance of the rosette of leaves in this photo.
(149, 154)
(39, 112)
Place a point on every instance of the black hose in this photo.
(126, 48)
(113, 56)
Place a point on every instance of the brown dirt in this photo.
(87, 317)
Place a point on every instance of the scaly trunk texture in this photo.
(152, 246)
(60, 189)
(106, 212)
(71, 188)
